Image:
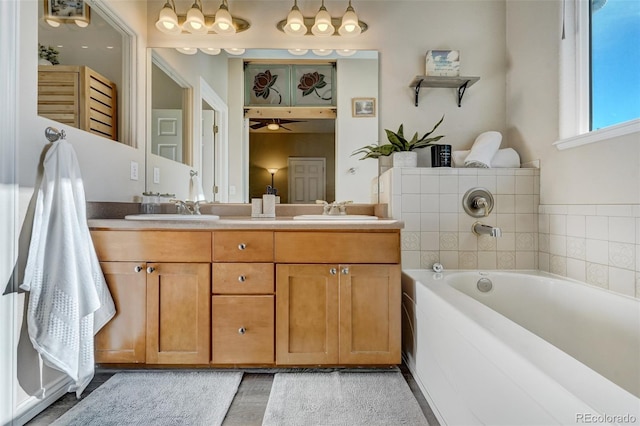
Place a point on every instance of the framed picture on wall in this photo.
(76, 11)
(363, 107)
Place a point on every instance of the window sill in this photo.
(599, 135)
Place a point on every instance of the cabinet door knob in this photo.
(242, 330)
(137, 268)
(150, 269)
(242, 246)
(345, 271)
(333, 271)
(242, 278)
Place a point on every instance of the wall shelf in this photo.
(459, 83)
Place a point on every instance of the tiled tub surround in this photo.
(596, 244)
(437, 229)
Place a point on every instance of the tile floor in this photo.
(247, 408)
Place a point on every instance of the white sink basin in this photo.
(182, 217)
(335, 217)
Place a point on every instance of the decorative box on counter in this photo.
(443, 63)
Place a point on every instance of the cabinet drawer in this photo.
(156, 246)
(243, 329)
(243, 246)
(337, 247)
(243, 278)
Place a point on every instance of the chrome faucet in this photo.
(481, 229)
(335, 208)
(187, 207)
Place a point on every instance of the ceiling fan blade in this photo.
(285, 128)
(258, 125)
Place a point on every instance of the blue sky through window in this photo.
(615, 63)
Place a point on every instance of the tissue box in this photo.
(443, 63)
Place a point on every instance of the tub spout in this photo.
(481, 229)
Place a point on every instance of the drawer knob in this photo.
(242, 330)
(242, 278)
(150, 269)
(138, 268)
(242, 246)
(333, 271)
(345, 271)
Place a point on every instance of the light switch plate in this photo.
(134, 170)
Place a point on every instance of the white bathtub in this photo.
(535, 349)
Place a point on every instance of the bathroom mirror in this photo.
(235, 165)
(97, 50)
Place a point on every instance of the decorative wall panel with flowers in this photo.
(290, 85)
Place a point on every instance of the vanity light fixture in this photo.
(234, 51)
(322, 24)
(196, 22)
(187, 50)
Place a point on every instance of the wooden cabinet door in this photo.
(178, 302)
(306, 314)
(242, 329)
(370, 314)
(122, 340)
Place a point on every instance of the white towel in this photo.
(69, 300)
(504, 158)
(196, 193)
(484, 148)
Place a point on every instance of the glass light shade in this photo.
(195, 21)
(273, 126)
(187, 50)
(272, 171)
(53, 23)
(210, 50)
(350, 26)
(322, 52)
(298, 52)
(81, 23)
(295, 23)
(322, 26)
(346, 52)
(234, 50)
(168, 21)
(224, 22)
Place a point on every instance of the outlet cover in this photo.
(156, 175)
(134, 170)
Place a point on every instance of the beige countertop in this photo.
(248, 223)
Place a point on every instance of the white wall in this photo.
(602, 173)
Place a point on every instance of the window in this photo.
(599, 71)
(615, 62)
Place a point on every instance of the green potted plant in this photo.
(403, 150)
(48, 55)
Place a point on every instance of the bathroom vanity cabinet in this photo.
(337, 298)
(160, 282)
(243, 298)
(251, 297)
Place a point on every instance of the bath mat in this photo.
(157, 398)
(340, 398)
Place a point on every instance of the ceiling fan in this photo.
(271, 123)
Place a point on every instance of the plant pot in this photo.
(405, 159)
(43, 61)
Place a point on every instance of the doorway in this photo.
(307, 180)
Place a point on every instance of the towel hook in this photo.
(52, 134)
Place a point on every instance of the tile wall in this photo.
(437, 229)
(596, 244)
